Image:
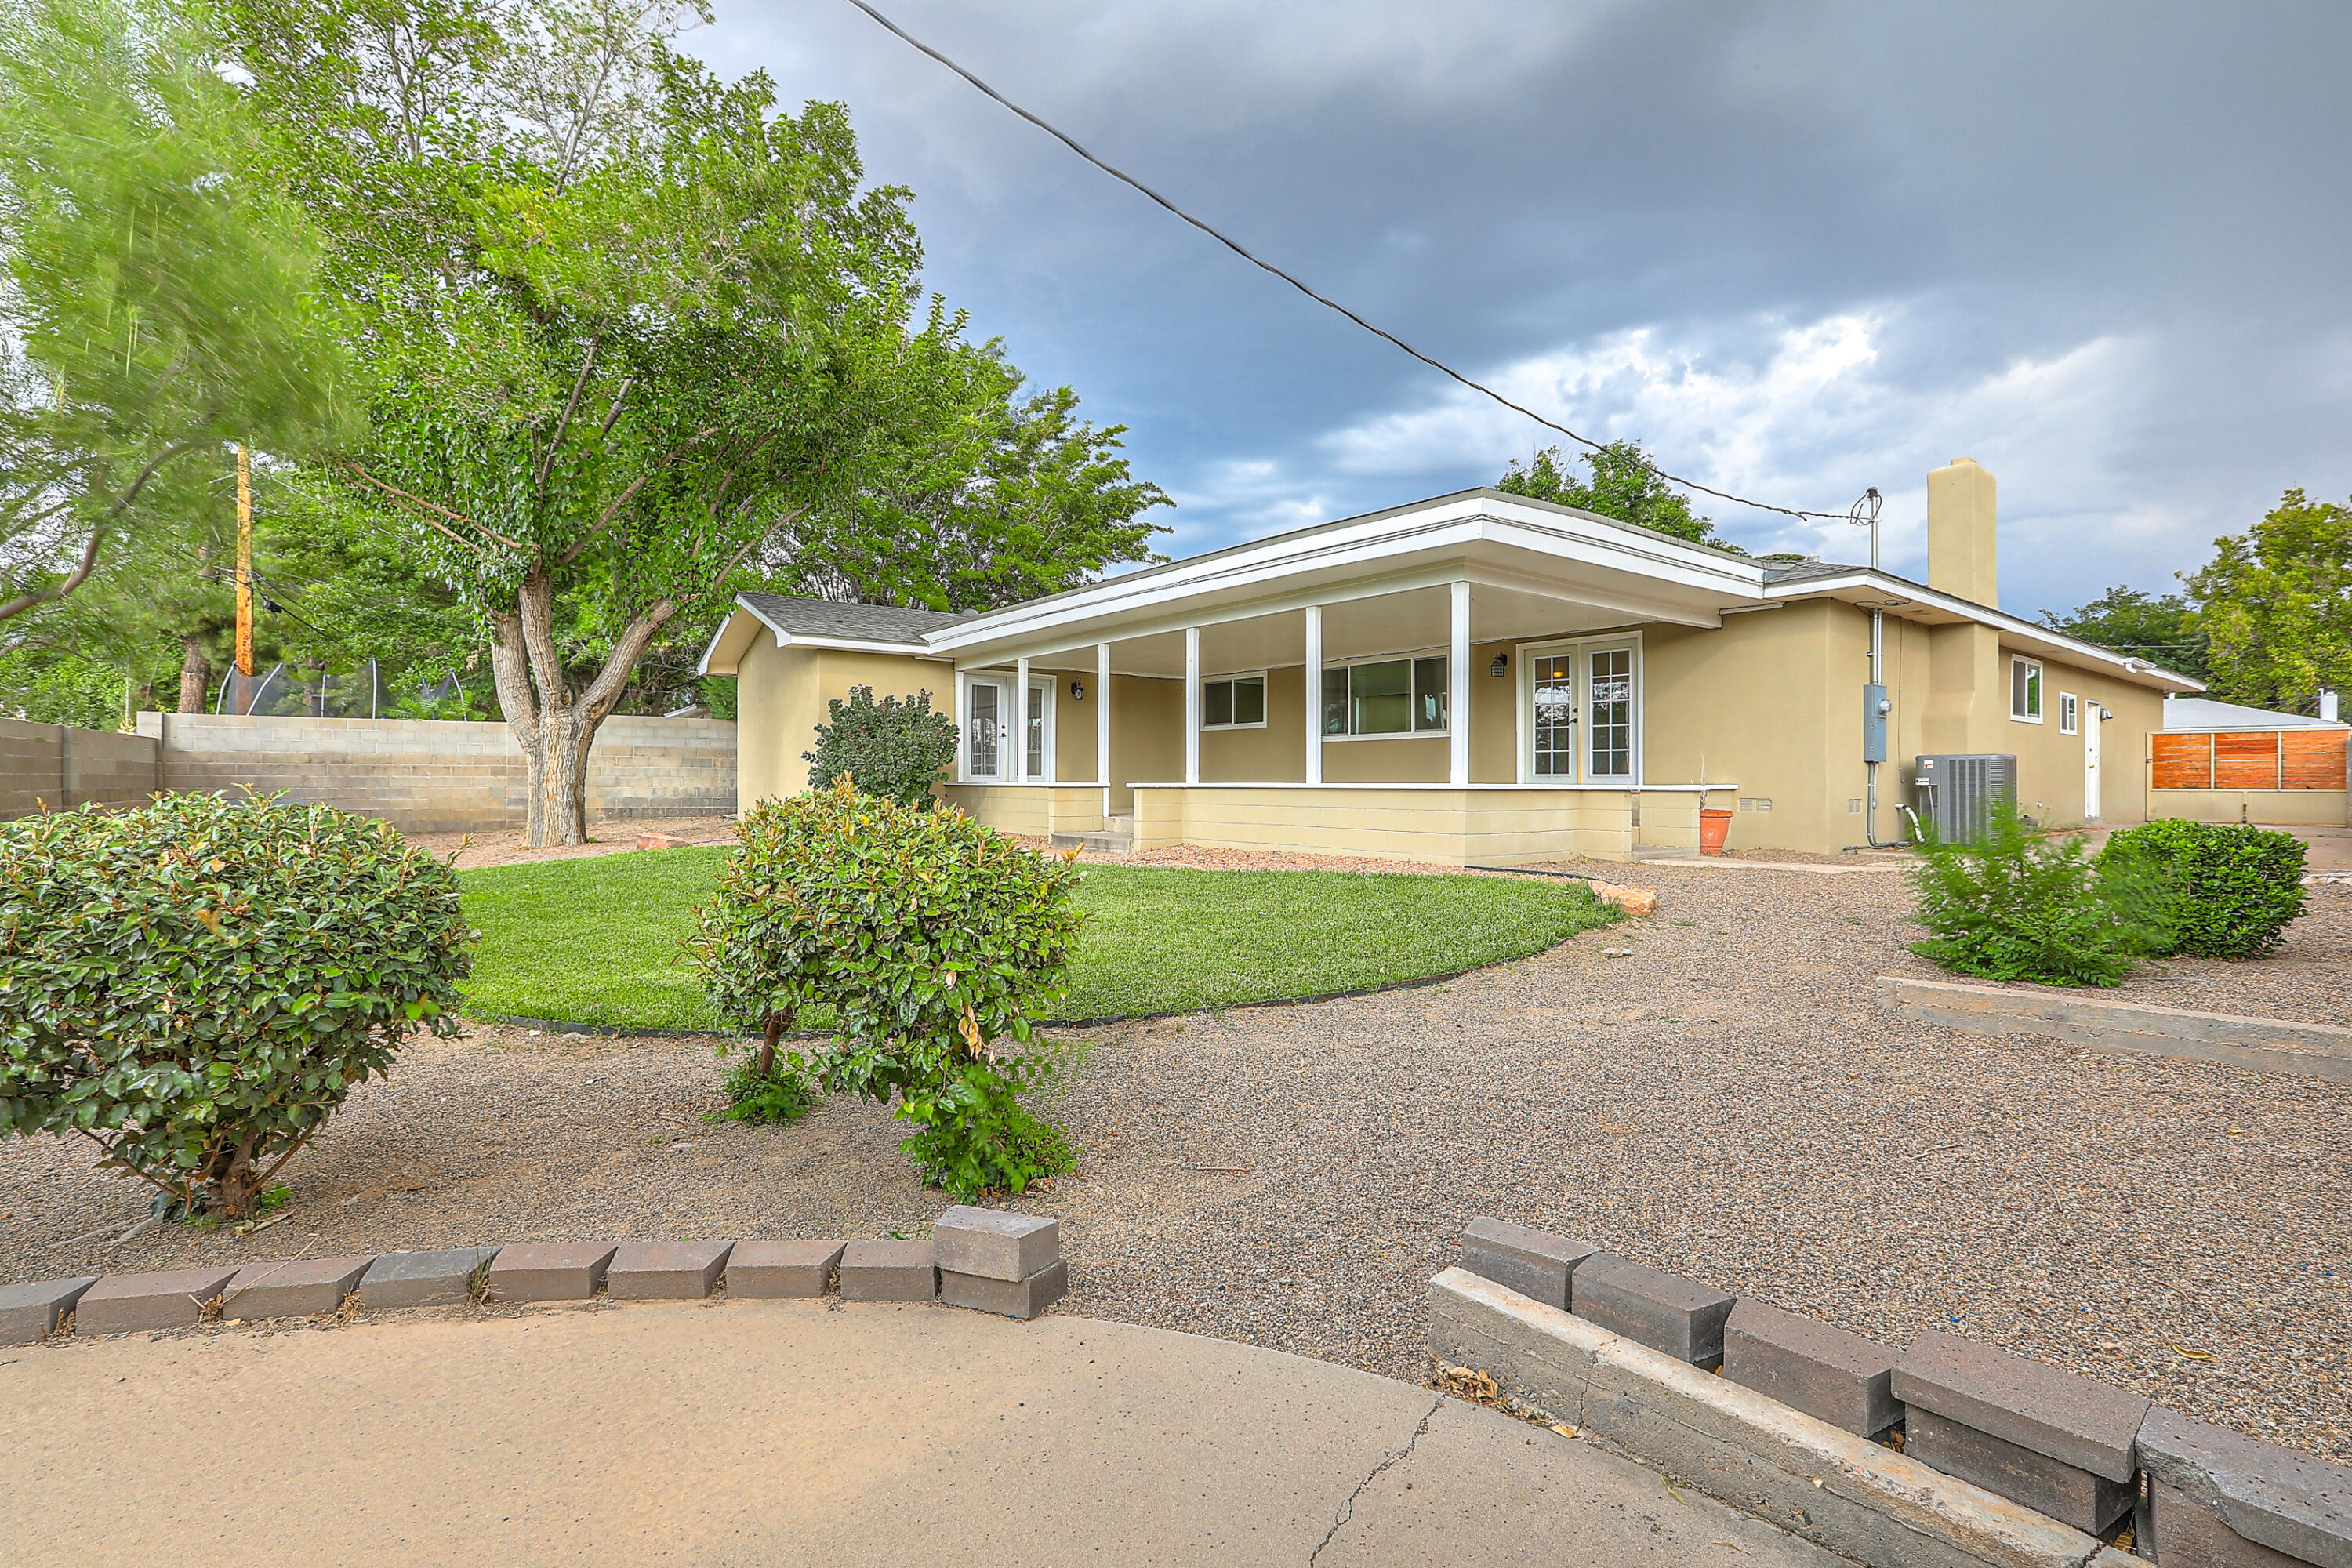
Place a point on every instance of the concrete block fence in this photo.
(2075, 1452)
(61, 767)
(1007, 1264)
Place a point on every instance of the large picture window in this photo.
(1234, 702)
(1386, 697)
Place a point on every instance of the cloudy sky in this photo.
(1797, 249)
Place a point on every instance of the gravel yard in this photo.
(1726, 1101)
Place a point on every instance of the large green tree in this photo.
(2163, 630)
(629, 326)
(1016, 498)
(2276, 603)
(159, 299)
(1624, 484)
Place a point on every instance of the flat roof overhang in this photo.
(1497, 541)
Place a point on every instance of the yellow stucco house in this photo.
(1479, 679)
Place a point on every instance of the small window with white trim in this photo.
(2070, 714)
(2025, 691)
(1234, 702)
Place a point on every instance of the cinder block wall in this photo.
(429, 776)
(61, 767)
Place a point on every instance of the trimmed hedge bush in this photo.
(2231, 889)
(196, 985)
(2016, 906)
(892, 748)
(933, 942)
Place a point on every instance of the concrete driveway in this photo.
(784, 1432)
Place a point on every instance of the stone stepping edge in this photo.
(2008, 1462)
(1003, 1263)
(2259, 1045)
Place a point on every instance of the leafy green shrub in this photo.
(934, 943)
(2016, 906)
(891, 749)
(777, 1091)
(196, 985)
(2232, 889)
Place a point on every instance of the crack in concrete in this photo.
(1348, 1507)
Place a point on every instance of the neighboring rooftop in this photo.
(826, 619)
(2204, 713)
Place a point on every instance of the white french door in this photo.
(994, 724)
(1579, 706)
(986, 732)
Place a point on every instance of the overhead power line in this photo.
(1323, 300)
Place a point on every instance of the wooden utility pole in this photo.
(244, 564)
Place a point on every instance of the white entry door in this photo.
(2092, 714)
(987, 731)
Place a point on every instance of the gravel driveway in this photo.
(1726, 1101)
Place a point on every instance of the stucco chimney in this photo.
(1960, 518)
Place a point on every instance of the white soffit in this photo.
(1498, 541)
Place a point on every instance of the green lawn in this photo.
(595, 941)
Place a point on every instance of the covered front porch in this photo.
(1462, 710)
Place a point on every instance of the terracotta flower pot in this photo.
(1713, 827)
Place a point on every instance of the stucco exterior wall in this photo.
(2282, 807)
(1494, 827)
(780, 697)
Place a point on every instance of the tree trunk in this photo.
(555, 729)
(195, 674)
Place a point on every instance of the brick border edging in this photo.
(1800, 1405)
(991, 1260)
(2260, 1045)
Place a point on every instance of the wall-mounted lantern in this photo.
(1077, 692)
(1502, 663)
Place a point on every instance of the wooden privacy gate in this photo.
(2248, 759)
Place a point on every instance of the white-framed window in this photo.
(1580, 710)
(2025, 691)
(2070, 713)
(1385, 697)
(1234, 702)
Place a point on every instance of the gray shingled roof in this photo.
(1798, 571)
(860, 623)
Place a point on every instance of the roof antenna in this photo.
(1864, 513)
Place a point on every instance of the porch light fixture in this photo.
(1077, 692)
(1502, 662)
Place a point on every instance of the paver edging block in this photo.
(2075, 1420)
(440, 1276)
(1828, 1373)
(1846, 1492)
(665, 1270)
(2277, 1500)
(300, 1287)
(1537, 1264)
(1018, 1298)
(2067, 1493)
(30, 1313)
(159, 1298)
(889, 1271)
(550, 1270)
(779, 1270)
(1681, 1317)
(994, 1244)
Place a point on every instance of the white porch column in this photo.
(1314, 679)
(1102, 721)
(1191, 705)
(1457, 697)
(1021, 723)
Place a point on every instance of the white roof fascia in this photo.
(790, 639)
(1453, 525)
(2036, 638)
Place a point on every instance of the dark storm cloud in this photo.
(1797, 249)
